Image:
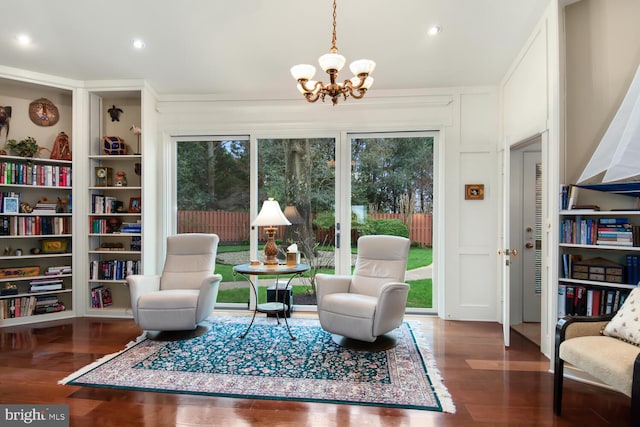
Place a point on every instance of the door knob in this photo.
(529, 245)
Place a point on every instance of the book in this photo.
(595, 302)
(562, 289)
(580, 301)
(608, 308)
(569, 301)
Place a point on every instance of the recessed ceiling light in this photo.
(436, 29)
(138, 43)
(23, 39)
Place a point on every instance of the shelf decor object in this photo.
(114, 146)
(269, 216)
(332, 63)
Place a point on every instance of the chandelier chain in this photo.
(334, 48)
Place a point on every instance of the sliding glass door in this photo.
(392, 192)
(333, 189)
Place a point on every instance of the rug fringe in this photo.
(437, 381)
(101, 360)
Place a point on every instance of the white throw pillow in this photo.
(625, 325)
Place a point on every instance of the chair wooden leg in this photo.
(558, 378)
(635, 393)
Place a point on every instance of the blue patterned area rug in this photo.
(267, 364)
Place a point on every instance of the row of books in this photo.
(633, 269)
(103, 226)
(28, 306)
(568, 196)
(131, 227)
(57, 269)
(34, 225)
(585, 301)
(605, 231)
(105, 204)
(101, 297)
(46, 284)
(32, 174)
(113, 269)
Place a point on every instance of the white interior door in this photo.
(531, 253)
(504, 253)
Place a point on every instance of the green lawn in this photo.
(420, 295)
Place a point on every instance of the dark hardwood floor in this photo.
(490, 385)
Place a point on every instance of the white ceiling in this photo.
(244, 48)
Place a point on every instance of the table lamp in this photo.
(270, 215)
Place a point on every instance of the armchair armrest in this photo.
(392, 301)
(580, 326)
(330, 284)
(208, 295)
(138, 285)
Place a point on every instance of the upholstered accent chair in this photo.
(186, 291)
(606, 348)
(372, 301)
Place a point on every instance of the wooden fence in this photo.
(233, 227)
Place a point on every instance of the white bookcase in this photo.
(580, 243)
(36, 246)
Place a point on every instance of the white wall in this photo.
(530, 105)
(467, 119)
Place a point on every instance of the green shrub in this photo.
(324, 220)
(390, 227)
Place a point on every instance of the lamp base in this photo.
(270, 248)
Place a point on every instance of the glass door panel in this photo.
(212, 196)
(300, 174)
(392, 182)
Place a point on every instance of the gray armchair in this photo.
(372, 301)
(186, 291)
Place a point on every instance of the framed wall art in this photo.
(474, 192)
(135, 205)
(11, 205)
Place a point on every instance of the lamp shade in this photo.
(303, 71)
(270, 215)
(362, 66)
(332, 61)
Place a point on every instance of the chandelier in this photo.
(332, 63)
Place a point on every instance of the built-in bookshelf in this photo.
(36, 247)
(599, 252)
(115, 212)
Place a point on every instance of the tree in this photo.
(213, 175)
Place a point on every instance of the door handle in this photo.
(529, 245)
(512, 252)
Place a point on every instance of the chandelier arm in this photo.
(362, 77)
(360, 93)
(303, 83)
(312, 98)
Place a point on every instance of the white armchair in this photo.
(372, 301)
(186, 291)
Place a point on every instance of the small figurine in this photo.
(61, 147)
(121, 179)
(115, 112)
(136, 131)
